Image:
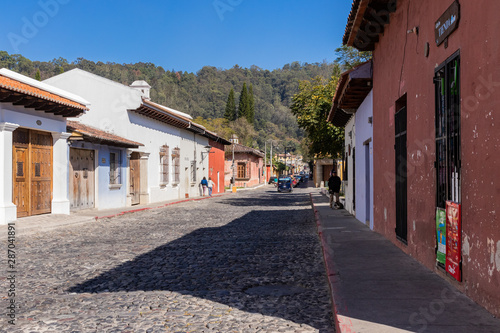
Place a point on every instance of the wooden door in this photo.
(81, 179)
(21, 172)
(401, 175)
(135, 178)
(32, 169)
(41, 172)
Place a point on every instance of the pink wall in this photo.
(397, 72)
(255, 164)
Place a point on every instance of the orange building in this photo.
(216, 163)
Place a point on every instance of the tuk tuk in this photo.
(284, 184)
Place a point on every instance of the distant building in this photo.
(246, 169)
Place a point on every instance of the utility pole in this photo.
(271, 169)
(265, 161)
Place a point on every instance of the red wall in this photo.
(397, 72)
(216, 164)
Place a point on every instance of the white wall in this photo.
(110, 102)
(364, 162)
(193, 146)
(348, 184)
(12, 117)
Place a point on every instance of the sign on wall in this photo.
(447, 23)
(453, 239)
(441, 235)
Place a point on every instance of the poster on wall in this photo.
(441, 235)
(453, 239)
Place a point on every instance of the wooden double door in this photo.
(32, 172)
(81, 179)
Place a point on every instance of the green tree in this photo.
(348, 57)
(38, 76)
(243, 105)
(251, 105)
(311, 106)
(245, 132)
(230, 113)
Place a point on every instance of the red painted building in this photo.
(247, 169)
(436, 93)
(216, 164)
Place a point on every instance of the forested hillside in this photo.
(202, 94)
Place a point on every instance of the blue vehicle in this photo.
(285, 184)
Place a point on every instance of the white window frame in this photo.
(164, 165)
(176, 161)
(115, 170)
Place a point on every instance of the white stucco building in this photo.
(353, 109)
(33, 146)
(172, 159)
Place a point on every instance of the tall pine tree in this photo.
(243, 106)
(38, 76)
(230, 113)
(251, 105)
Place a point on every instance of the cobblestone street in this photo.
(245, 262)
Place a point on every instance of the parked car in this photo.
(300, 177)
(285, 184)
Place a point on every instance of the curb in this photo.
(343, 323)
(96, 218)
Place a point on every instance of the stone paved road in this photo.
(245, 262)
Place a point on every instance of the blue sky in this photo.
(176, 34)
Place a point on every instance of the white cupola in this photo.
(143, 87)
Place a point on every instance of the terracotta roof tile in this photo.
(95, 135)
(244, 149)
(23, 88)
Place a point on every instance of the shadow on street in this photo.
(266, 262)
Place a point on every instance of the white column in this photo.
(60, 174)
(127, 178)
(8, 211)
(144, 191)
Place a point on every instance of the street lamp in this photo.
(265, 159)
(286, 157)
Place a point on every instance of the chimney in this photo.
(143, 87)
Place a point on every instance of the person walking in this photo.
(334, 188)
(210, 186)
(204, 185)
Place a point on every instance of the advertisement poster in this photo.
(441, 235)
(453, 239)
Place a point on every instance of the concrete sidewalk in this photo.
(46, 222)
(378, 288)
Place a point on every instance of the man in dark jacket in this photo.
(334, 188)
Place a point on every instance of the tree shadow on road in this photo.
(262, 262)
(272, 199)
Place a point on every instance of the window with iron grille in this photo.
(448, 142)
(114, 168)
(193, 171)
(176, 159)
(164, 164)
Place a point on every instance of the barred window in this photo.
(176, 160)
(193, 171)
(164, 164)
(448, 142)
(114, 168)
